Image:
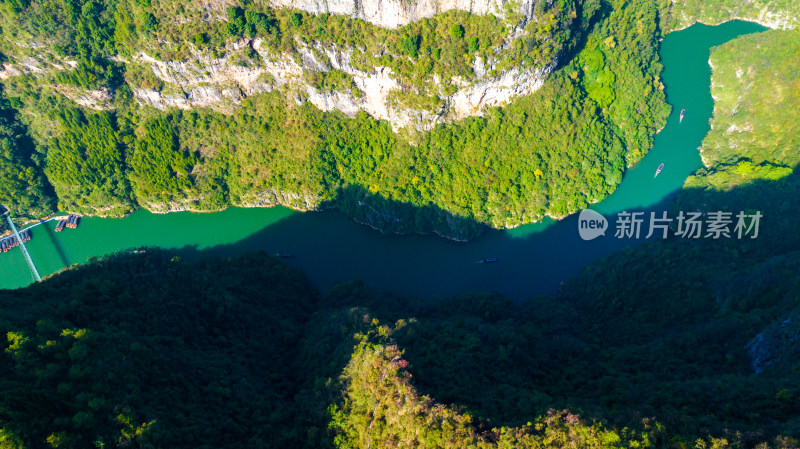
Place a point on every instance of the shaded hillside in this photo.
(152, 352)
(159, 352)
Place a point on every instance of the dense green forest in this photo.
(550, 153)
(86, 163)
(751, 138)
(160, 168)
(115, 365)
(672, 344)
(23, 186)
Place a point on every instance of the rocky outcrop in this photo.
(248, 67)
(99, 100)
(33, 66)
(274, 197)
(396, 13)
(777, 345)
(8, 70)
(203, 81)
(201, 96)
(778, 20)
(496, 91)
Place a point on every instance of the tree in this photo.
(409, 44)
(457, 31)
(149, 21)
(236, 20)
(296, 18)
(200, 39)
(472, 44)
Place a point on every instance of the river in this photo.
(328, 247)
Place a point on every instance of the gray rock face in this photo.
(274, 197)
(396, 13)
(776, 345)
(202, 81)
(222, 82)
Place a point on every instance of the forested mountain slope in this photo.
(128, 105)
(102, 67)
(677, 343)
(755, 132)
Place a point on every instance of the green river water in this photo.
(329, 247)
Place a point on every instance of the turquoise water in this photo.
(328, 247)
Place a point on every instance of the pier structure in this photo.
(21, 243)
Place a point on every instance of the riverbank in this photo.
(330, 247)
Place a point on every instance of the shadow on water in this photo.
(642, 326)
(602, 345)
(330, 248)
(395, 217)
(54, 240)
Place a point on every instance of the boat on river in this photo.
(683, 114)
(489, 260)
(658, 170)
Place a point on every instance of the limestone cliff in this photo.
(395, 13)
(205, 81)
(222, 77)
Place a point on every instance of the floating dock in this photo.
(73, 220)
(70, 222)
(11, 242)
(19, 238)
